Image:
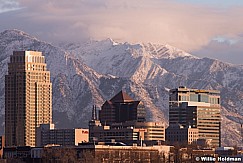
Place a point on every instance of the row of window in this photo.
(36, 59)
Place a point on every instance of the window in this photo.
(184, 98)
(203, 98)
(194, 97)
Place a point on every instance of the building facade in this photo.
(48, 135)
(109, 153)
(121, 108)
(128, 132)
(28, 97)
(198, 109)
(178, 134)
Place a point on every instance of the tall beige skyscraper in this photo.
(28, 97)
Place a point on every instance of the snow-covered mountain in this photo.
(94, 71)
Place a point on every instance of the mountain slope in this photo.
(92, 72)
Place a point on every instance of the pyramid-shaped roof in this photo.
(121, 97)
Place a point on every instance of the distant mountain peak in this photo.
(160, 51)
(110, 40)
(16, 33)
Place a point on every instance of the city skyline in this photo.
(203, 28)
(79, 83)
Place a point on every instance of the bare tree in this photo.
(59, 155)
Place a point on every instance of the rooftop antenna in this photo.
(94, 114)
(21, 43)
(96, 118)
(186, 80)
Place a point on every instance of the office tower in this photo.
(198, 109)
(121, 108)
(28, 97)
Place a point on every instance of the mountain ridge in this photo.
(92, 72)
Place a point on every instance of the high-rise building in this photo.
(28, 97)
(198, 109)
(121, 108)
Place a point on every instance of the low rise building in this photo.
(19, 153)
(36, 152)
(128, 132)
(90, 153)
(226, 151)
(107, 153)
(177, 134)
(47, 134)
(204, 143)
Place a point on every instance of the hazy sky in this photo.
(206, 28)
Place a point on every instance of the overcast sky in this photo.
(206, 28)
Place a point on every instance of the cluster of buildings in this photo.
(194, 116)
(122, 119)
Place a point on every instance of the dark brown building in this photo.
(121, 108)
